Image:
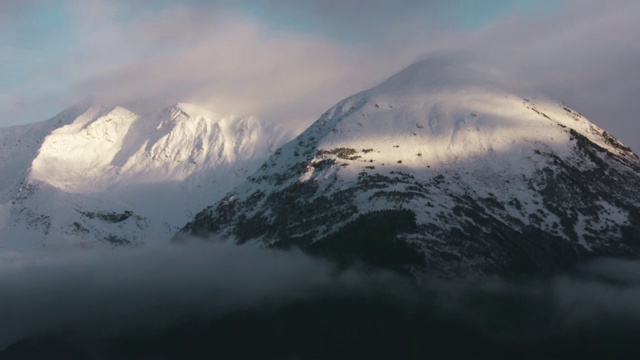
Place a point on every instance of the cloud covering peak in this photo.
(288, 61)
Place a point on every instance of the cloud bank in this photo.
(289, 61)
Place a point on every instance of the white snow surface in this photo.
(433, 120)
(61, 178)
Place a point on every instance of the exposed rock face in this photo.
(442, 176)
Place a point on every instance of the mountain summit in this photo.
(439, 172)
(105, 174)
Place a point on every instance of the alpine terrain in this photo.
(440, 172)
(96, 175)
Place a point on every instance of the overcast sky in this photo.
(290, 60)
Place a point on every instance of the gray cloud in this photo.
(583, 54)
(224, 60)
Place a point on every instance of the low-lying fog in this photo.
(153, 285)
(93, 297)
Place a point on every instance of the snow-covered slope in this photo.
(439, 169)
(96, 174)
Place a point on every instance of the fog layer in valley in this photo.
(205, 297)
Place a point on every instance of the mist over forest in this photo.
(242, 302)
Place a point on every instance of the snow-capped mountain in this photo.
(94, 174)
(440, 171)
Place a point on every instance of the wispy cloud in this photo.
(289, 61)
(221, 59)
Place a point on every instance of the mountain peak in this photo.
(119, 110)
(96, 172)
(460, 110)
(440, 73)
(191, 111)
(454, 174)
